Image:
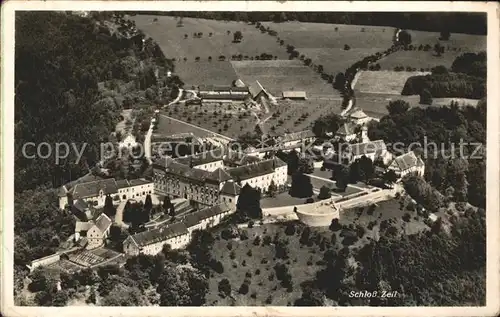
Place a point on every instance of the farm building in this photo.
(94, 231)
(213, 93)
(151, 242)
(238, 83)
(295, 95)
(296, 138)
(257, 91)
(406, 164)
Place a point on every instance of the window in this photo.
(230, 200)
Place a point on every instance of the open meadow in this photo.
(384, 82)
(454, 47)
(292, 116)
(282, 75)
(216, 40)
(168, 126)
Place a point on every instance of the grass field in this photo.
(174, 45)
(336, 60)
(278, 76)
(454, 47)
(383, 82)
(314, 35)
(167, 126)
(303, 262)
(292, 116)
(223, 119)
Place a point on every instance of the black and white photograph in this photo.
(250, 156)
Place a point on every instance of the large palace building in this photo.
(204, 179)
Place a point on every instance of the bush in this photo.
(335, 225)
(248, 274)
(229, 246)
(256, 242)
(232, 255)
(250, 224)
(249, 253)
(243, 289)
(257, 272)
(244, 263)
(407, 217)
(346, 47)
(290, 229)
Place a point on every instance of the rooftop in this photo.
(202, 158)
(160, 234)
(294, 94)
(346, 129)
(297, 136)
(231, 188)
(192, 219)
(91, 189)
(360, 149)
(358, 114)
(406, 161)
(256, 169)
(103, 222)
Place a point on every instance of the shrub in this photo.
(257, 272)
(248, 274)
(256, 242)
(254, 295)
(232, 255)
(249, 253)
(244, 263)
(243, 289)
(290, 229)
(407, 217)
(250, 224)
(346, 47)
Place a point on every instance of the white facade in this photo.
(137, 192)
(279, 176)
(131, 248)
(229, 199)
(212, 166)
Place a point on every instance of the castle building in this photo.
(94, 193)
(95, 232)
(173, 177)
(178, 234)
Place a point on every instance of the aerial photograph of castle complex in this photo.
(245, 158)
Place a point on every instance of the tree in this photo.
(237, 36)
(248, 205)
(390, 177)
(244, 289)
(324, 192)
(438, 49)
(292, 162)
(426, 97)
(166, 203)
(320, 69)
(148, 203)
(301, 186)
(404, 38)
(346, 47)
(290, 229)
(224, 287)
(398, 107)
(272, 189)
(366, 167)
(109, 209)
(340, 81)
(342, 177)
(171, 211)
(306, 166)
(444, 35)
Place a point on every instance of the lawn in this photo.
(168, 126)
(174, 45)
(231, 120)
(383, 82)
(292, 116)
(204, 72)
(417, 59)
(282, 75)
(314, 35)
(281, 200)
(336, 60)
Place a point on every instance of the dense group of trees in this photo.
(451, 144)
(467, 79)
